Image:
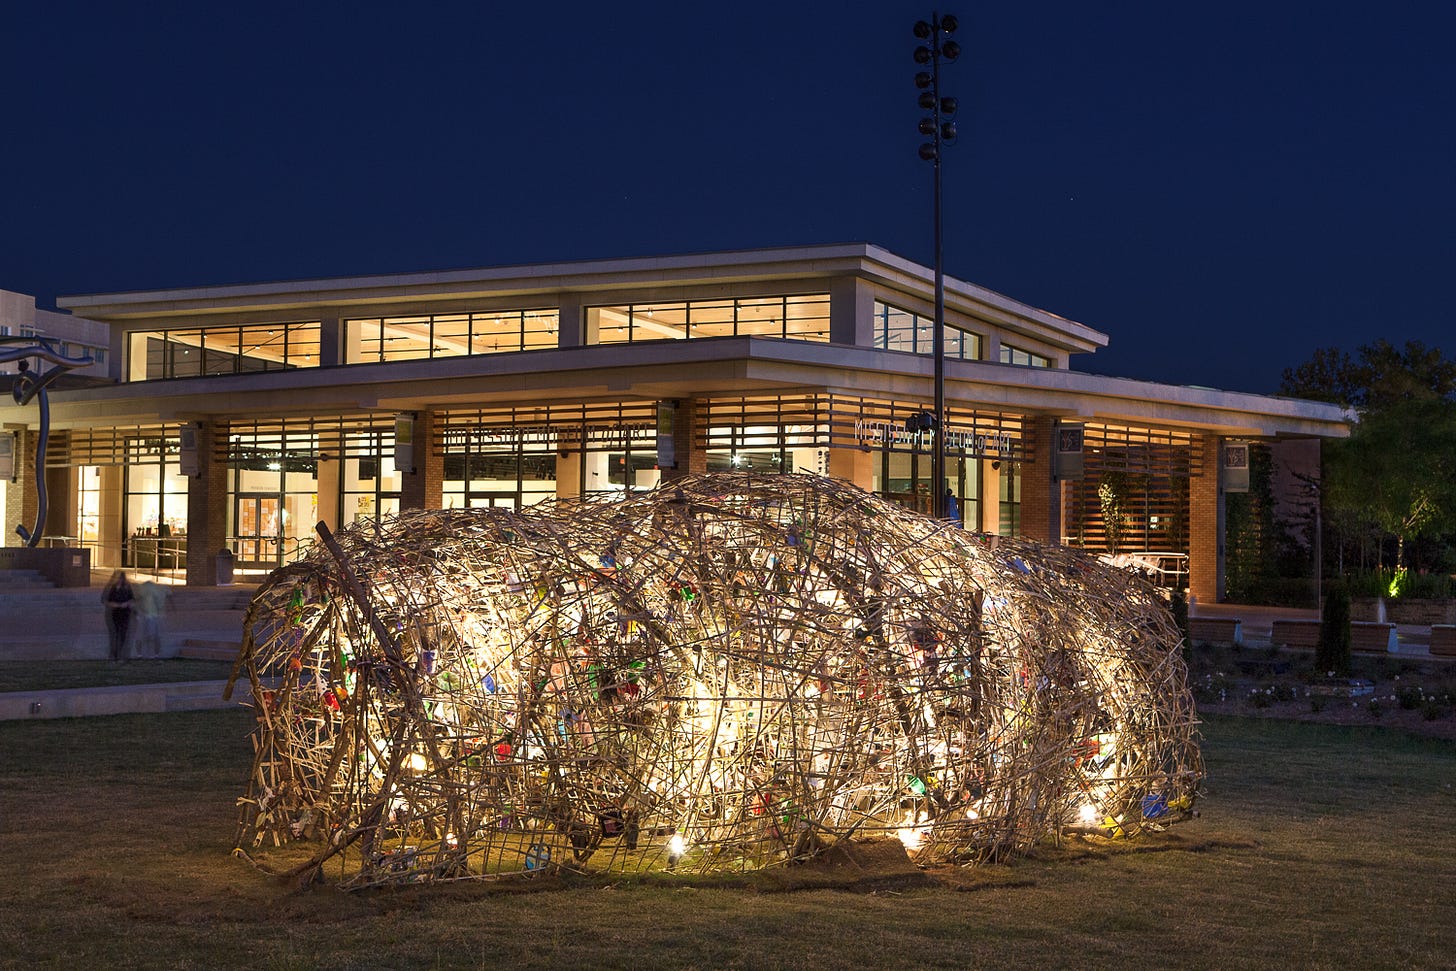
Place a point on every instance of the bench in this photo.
(1367, 637)
(1443, 640)
(1215, 630)
(1372, 638)
(1295, 633)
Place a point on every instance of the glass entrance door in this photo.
(260, 532)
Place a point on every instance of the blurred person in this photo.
(118, 598)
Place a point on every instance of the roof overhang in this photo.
(684, 369)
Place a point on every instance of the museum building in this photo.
(240, 416)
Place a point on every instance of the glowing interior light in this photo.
(417, 762)
(677, 846)
(1088, 814)
(910, 833)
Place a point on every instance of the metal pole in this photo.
(937, 461)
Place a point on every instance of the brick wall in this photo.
(424, 488)
(1041, 513)
(207, 497)
(1205, 527)
(690, 459)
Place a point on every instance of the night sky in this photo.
(1220, 188)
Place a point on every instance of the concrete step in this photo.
(22, 581)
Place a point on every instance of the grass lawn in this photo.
(1319, 847)
(42, 675)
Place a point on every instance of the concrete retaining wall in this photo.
(1422, 613)
(118, 700)
(63, 566)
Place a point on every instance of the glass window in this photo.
(154, 502)
(900, 330)
(403, 339)
(493, 333)
(191, 352)
(509, 475)
(761, 318)
(711, 318)
(369, 487)
(88, 506)
(371, 340)
(1010, 486)
(538, 329)
(450, 335)
(184, 353)
(804, 318)
(1010, 354)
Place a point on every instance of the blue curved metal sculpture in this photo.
(31, 384)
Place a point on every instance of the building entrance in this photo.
(258, 544)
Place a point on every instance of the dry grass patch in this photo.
(1318, 847)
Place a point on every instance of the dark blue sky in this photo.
(1221, 188)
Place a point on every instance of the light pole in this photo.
(937, 47)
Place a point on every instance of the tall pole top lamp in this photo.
(936, 48)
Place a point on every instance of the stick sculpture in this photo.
(733, 671)
(30, 384)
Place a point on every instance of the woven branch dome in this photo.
(731, 672)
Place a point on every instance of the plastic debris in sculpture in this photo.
(731, 672)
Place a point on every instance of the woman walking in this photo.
(118, 598)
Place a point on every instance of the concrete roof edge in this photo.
(707, 262)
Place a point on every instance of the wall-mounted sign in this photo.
(1069, 451)
(876, 433)
(1236, 467)
(7, 455)
(188, 459)
(666, 423)
(404, 443)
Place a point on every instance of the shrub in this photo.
(1433, 708)
(1210, 689)
(1333, 651)
(1178, 604)
(1409, 698)
(1375, 708)
(1318, 703)
(1393, 584)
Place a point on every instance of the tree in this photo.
(1381, 376)
(1332, 652)
(1397, 470)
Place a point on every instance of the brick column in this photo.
(690, 458)
(424, 488)
(1205, 526)
(207, 497)
(1041, 513)
(29, 504)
